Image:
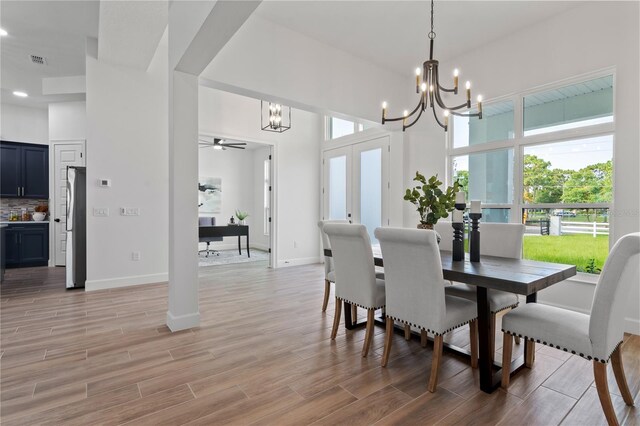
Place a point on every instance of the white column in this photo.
(183, 310)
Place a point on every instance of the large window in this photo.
(552, 170)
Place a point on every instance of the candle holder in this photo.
(474, 237)
(460, 206)
(458, 241)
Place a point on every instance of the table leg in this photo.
(248, 253)
(485, 363)
(531, 298)
(348, 320)
(239, 249)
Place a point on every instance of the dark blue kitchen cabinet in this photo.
(26, 245)
(25, 170)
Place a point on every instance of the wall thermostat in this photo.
(105, 183)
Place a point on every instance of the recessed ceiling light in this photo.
(20, 94)
(3, 32)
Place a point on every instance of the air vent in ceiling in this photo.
(37, 59)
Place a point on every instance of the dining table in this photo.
(520, 276)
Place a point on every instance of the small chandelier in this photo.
(279, 117)
(430, 92)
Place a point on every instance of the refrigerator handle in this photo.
(70, 201)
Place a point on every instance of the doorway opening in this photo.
(235, 202)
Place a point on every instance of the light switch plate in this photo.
(101, 211)
(129, 211)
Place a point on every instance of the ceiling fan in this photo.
(219, 144)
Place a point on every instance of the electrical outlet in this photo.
(101, 211)
(135, 255)
(129, 211)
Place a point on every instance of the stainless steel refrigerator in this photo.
(76, 226)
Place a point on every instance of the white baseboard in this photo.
(183, 322)
(233, 246)
(299, 261)
(93, 285)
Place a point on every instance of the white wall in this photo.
(127, 141)
(297, 167)
(562, 47)
(24, 124)
(319, 77)
(236, 169)
(68, 121)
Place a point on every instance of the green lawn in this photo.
(569, 249)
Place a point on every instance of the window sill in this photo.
(584, 278)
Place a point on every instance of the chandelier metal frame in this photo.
(430, 90)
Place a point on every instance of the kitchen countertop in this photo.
(21, 222)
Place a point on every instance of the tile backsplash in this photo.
(8, 204)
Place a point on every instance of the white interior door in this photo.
(356, 183)
(371, 184)
(337, 184)
(65, 154)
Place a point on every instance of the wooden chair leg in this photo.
(600, 374)
(336, 319)
(618, 371)
(435, 363)
(507, 347)
(327, 288)
(473, 339)
(354, 314)
(423, 338)
(388, 338)
(407, 332)
(369, 332)
(529, 353)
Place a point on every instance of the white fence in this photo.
(593, 228)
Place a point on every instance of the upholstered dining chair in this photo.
(496, 239)
(329, 272)
(596, 337)
(356, 281)
(415, 292)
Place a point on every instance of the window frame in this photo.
(358, 126)
(519, 142)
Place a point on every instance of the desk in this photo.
(525, 277)
(226, 231)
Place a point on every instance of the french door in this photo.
(356, 183)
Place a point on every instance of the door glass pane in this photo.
(496, 125)
(338, 187)
(576, 105)
(486, 176)
(495, 215)
(371, 190)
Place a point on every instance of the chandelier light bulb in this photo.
(424, 87)
(468, 85)
(446, 118)
(406, 113)
(479, 98)
(446, 113)
(3, 32)
(384, 105)
(418, 72)
(431, 88)
(456, 72)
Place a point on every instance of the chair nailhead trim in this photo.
(427, 329)
(359, 305)
(588, 357)
(515, 305)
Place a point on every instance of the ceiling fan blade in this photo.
(232, 146)
(234, 143)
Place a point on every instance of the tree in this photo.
(542, 184)
(591, 184)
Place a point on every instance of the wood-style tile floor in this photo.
(261, 356)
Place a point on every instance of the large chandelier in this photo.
(430, 91)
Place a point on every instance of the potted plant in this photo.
(241, 216)
(432, 202)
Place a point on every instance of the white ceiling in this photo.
(393, 34)
(54, 29)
